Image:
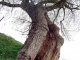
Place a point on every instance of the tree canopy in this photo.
(49, 5)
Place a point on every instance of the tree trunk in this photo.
(43, 41)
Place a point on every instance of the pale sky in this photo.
(69, 51)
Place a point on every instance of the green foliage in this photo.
(9, 47)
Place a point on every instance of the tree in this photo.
(44, 41)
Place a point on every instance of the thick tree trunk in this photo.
(43, 41)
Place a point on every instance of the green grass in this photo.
(9, 47)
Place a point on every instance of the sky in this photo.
(69, 51)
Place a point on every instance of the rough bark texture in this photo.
(43, 41)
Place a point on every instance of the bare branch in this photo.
(60, 4)
(57, 15)
(71, 8)
(64, 15)
(44, 2)
(9, 4)
(49, 8)
(62, 28)
(25, 1)
(1, 19)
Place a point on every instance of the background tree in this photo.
(44, 41)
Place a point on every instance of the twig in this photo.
(1, 19)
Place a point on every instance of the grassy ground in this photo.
(9, 47)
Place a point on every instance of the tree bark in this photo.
(43, 41)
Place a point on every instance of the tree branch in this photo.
(9, 4)
(71, 8)
(62, 4)
(56, 15)
(45, 2)
(49, 8)
(25, 1)
(59, 4)
(1, 19)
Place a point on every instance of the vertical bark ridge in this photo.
(36, 36)
(47, 47)
(50, 49)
